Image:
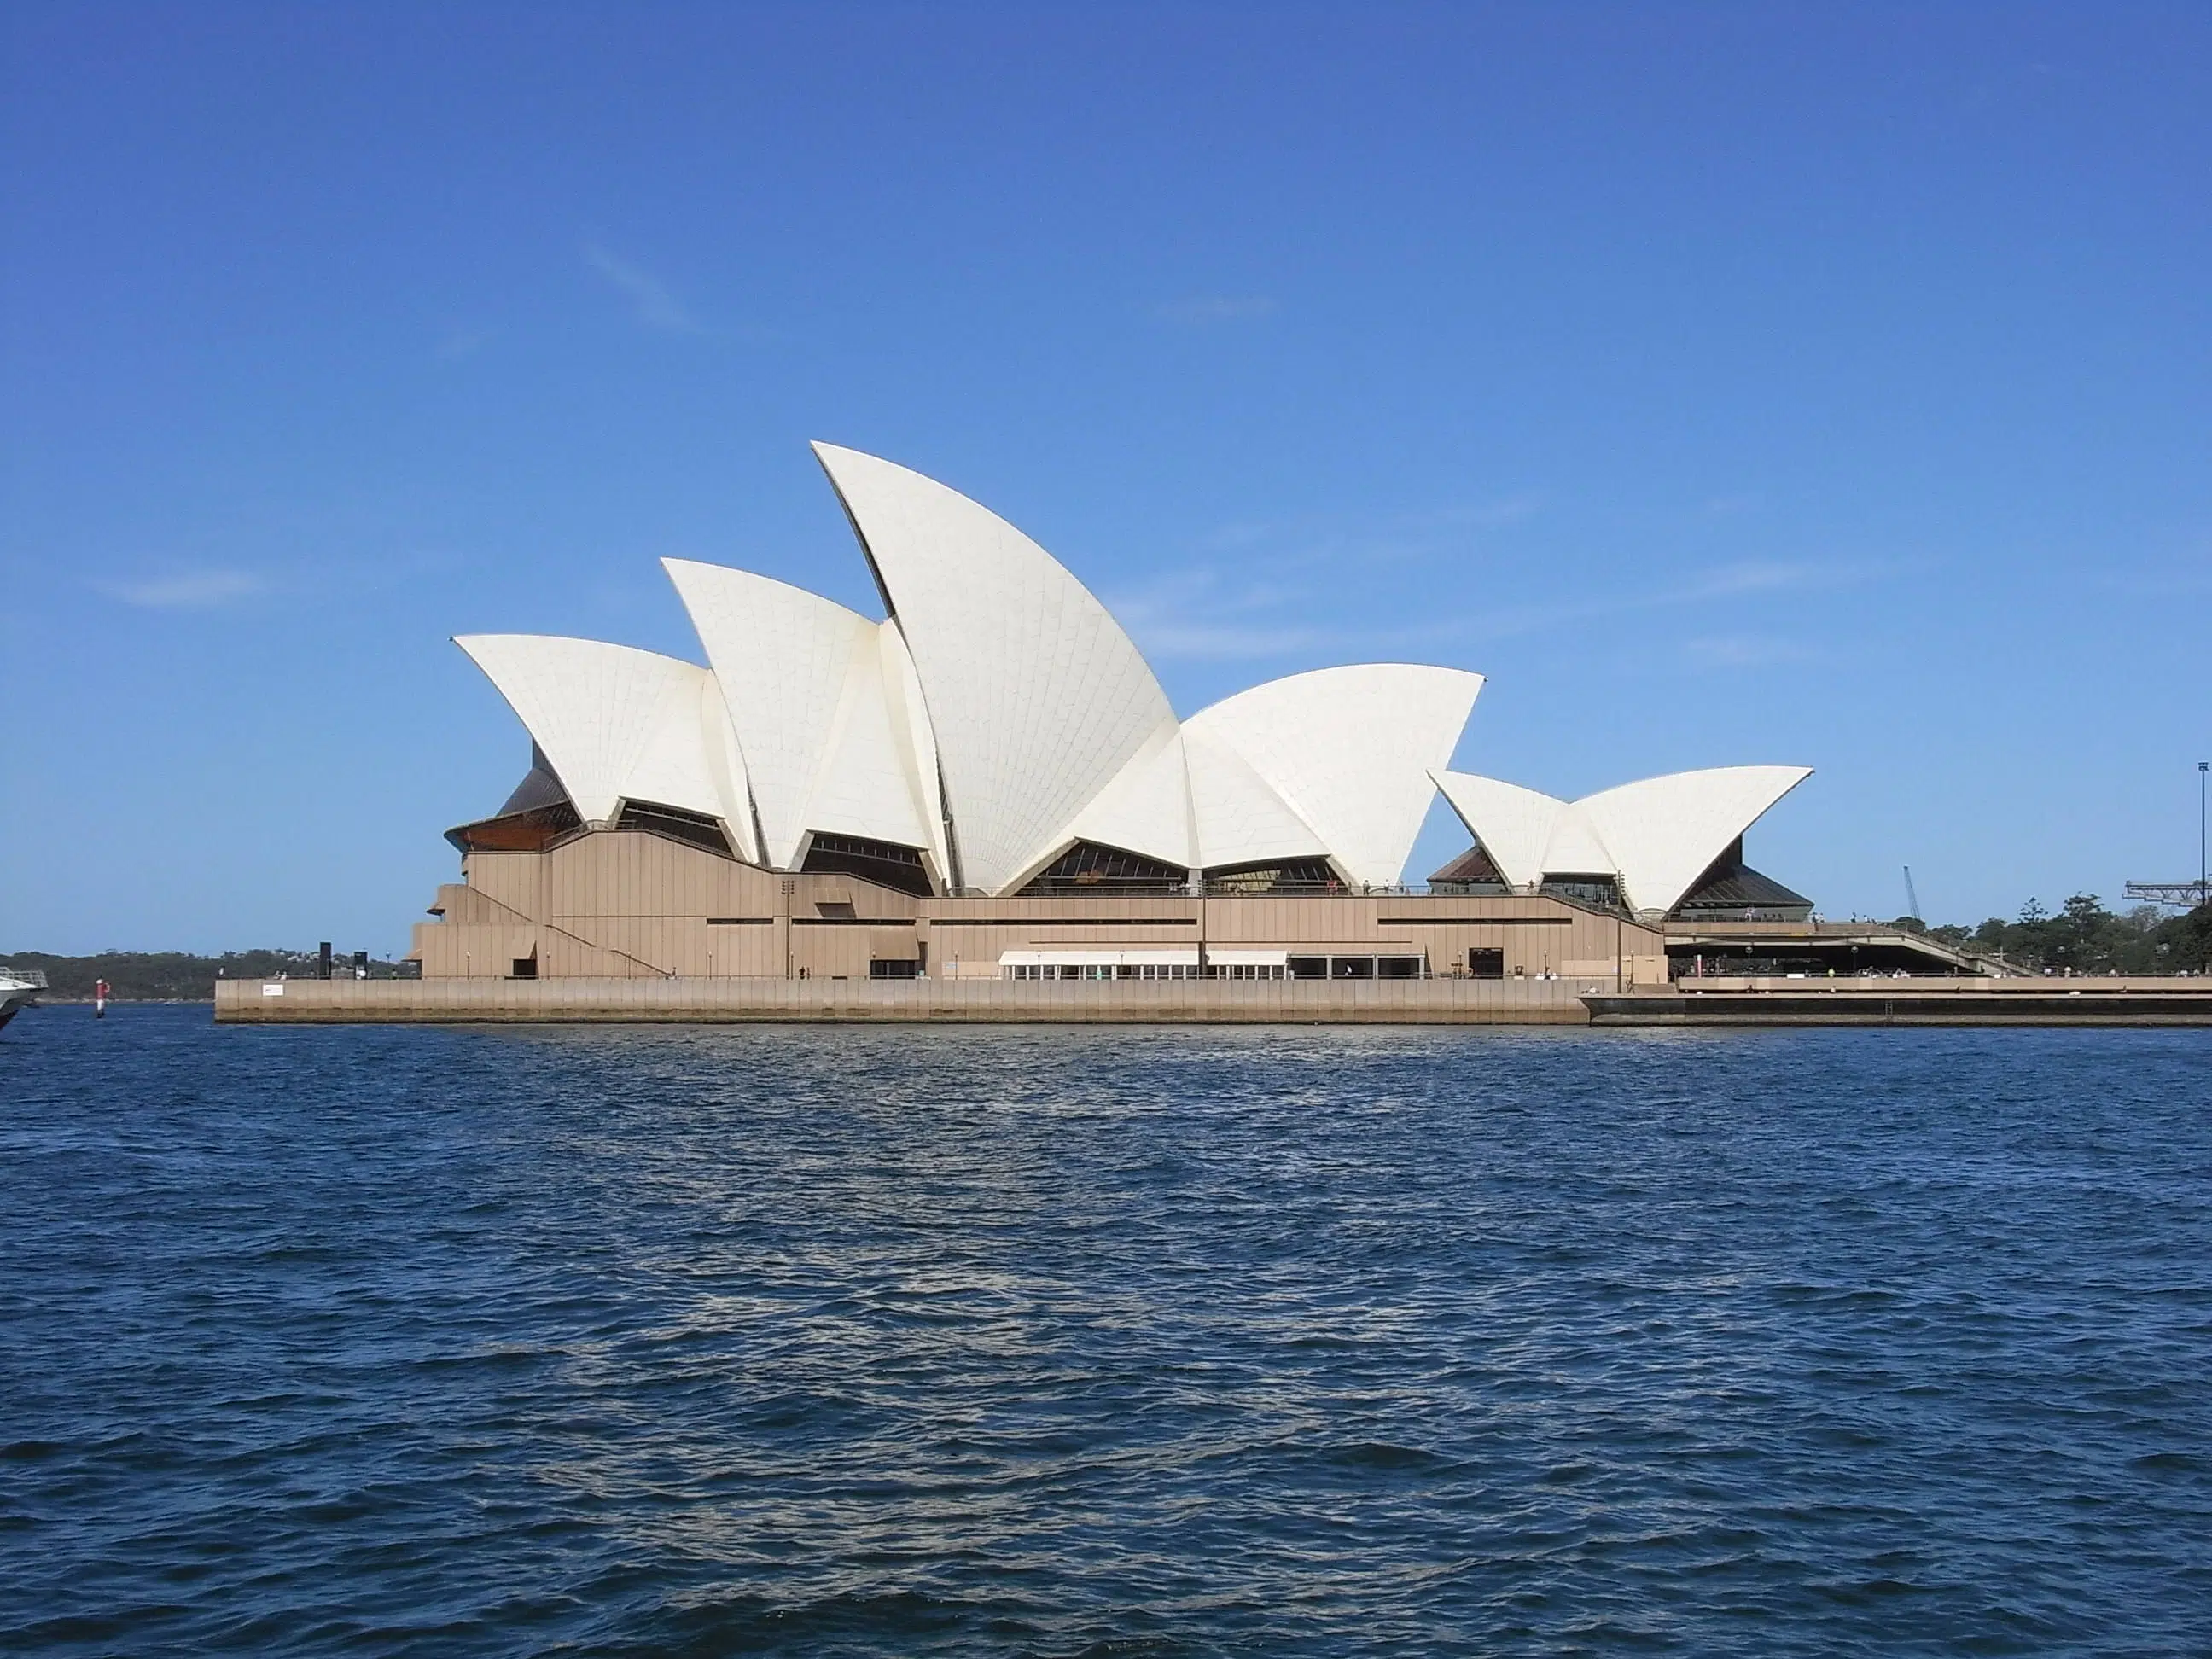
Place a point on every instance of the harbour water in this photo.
(634, 1340)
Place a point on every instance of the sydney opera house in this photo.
(988, 781)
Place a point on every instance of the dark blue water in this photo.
(1156, 1342)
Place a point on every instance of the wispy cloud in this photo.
(1483, 516)
(1743, 580)
(1213, 611)
(1217, 308)
(459, 342)
(1327, 542)
(1225, 641)
(651, 299)
(1203, 613)
(1231, 537)
(1744, 651)
(1754, 576)
(192, 590)
(1209, 615)
(2189, 574)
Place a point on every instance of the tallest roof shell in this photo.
(1035, 696)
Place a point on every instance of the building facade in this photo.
(629, 904)
(988, 781)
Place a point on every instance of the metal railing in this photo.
(35, 978)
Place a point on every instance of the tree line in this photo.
(175, 976)
(2083, 937)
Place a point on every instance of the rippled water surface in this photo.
(1317, 1341)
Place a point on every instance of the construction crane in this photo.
(2187, 895)
(2184, 895)
(1911, 897)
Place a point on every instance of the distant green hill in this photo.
(157, 976)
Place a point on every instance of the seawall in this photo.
(471, 1001)
(1288, 1002)
(2099, 1001)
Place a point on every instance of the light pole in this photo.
(2202, 767)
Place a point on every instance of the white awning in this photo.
(1105, 957)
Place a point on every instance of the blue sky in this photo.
(1761, 383)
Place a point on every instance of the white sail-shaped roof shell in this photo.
(781, 656)
(909, 717)
(1191, 799)
(1665, 832)
(1145, 809)
(1036, 698)
(618, 724)
(1576, 848)
(1656, 836)
(809, 687)
(1350, 752)
(866, 784)
(1513, 825)
(1238, 818)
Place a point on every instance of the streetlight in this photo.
(2202, 767)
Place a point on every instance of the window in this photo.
(885, 863)
(1471, 872)
(692, 828)
(1291, 876)
(1731, 891)
(1590, 891)
(1486, 964)
(896, 968)
(532, 830)
(1088, 867)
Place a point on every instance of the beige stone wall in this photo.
(638, 905)
(1302, 1002)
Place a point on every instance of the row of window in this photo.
(1089, 868)
(1131, 970)
(1296, 968)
